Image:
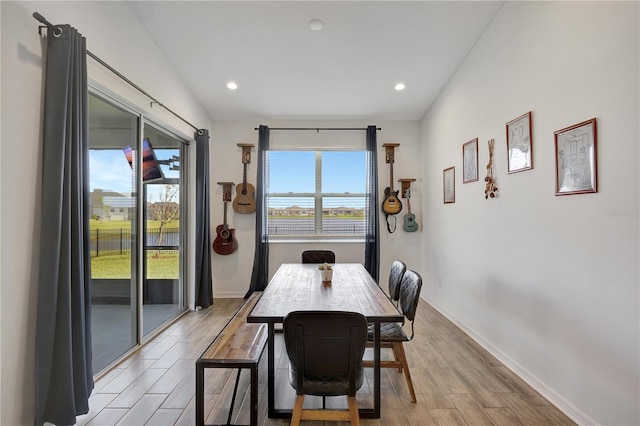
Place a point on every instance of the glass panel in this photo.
(291, 215)
(344, 171)
(162, 291)
(112, 182)
(343, 216)
(292, 171)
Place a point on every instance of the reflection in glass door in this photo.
(114, 210)
(163, 289)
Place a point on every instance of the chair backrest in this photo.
(318, 256)
(410, 295)
(398, 268)
(325, 346)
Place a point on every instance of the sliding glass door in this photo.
(113, 131)
(137, 239)
(163, 294)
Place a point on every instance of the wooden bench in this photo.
(239, 345)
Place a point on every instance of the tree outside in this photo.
(165, 210)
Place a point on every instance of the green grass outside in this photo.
(116, 265)
(166, 266)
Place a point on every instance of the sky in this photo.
(291, 171)
(294, 171)
(110, 170)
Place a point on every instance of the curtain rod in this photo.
(57, 31)
(317, 129)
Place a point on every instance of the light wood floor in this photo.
(456, 382)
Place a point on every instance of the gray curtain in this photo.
(204, 289)
(371, 245)
(64, 379)
(260, 273)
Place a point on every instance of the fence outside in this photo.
(281, 226)
(105, 242)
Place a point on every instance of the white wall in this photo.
(549, 284)
(114, 34)
(232, 273)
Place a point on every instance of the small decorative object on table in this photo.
(326, 272)
(490, 183)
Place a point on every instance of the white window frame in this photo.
(318, 196)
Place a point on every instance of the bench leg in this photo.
(233, 398)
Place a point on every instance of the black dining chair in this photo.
(398, 268)
(318, 256)
(393, 335)
(325, 350)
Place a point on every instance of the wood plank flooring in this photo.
(457, 382)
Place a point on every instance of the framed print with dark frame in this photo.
(519, 144)
(576, 158)
(449, 185)
(470, 161)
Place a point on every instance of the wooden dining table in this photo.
(299, 287)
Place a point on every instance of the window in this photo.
(316, 193)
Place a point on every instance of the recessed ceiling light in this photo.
(232, 86)
(399, 86)
(316, 24)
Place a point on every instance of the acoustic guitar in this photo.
(391, 203)
(245, 201)
(225, 242)
(409, 224)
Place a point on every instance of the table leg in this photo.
(199, 394)
(254, 396)
(376, 370)
(271, 376)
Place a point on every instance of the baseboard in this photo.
(532, 380)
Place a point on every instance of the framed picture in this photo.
(470, 161)
(519, 144)
(449, 185)
(576, 158)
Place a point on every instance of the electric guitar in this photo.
(245, 201)
(409, 224)
(225, 242)
(391, 203)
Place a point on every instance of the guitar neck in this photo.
(391, 176)
(224, 223)
(408, 205)
(244, 176)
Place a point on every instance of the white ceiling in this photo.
(346, 70)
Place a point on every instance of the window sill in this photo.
(318, 240)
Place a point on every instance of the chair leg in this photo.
(297, 410)
(396, 356)
(403, 359)
(354, 415)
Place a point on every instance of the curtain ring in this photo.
(200, 132)
(55, 33)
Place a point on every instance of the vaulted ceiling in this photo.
(285, 69)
